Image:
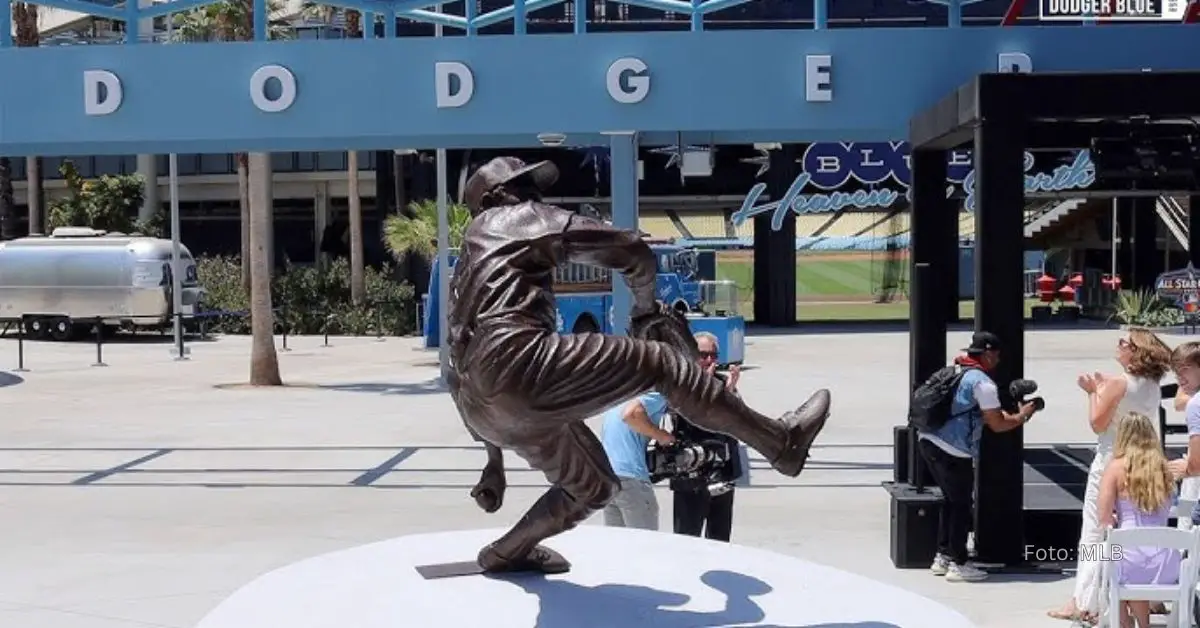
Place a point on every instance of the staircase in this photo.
(1041, 218)
(1037, 221)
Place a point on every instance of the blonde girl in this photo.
(1137, 490)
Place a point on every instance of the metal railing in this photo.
(197, 324)
(573, 273)
(1039, 208)
(1093, 296)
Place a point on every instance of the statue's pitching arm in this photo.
(488, 492)
(589, 241)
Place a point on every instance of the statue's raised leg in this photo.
(580, 375)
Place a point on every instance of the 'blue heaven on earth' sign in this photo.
(828, 166)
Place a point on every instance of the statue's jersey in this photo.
(505, 270)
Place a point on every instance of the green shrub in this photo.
(310, 300)
(109, 203)
(1145, 308)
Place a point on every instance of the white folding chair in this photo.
(1183, 513)
(1189, 494)
(1117, 541)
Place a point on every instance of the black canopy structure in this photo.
(1139, 125)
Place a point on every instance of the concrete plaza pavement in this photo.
(143, 493)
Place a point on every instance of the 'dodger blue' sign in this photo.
(883, 168)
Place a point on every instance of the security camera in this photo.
(552, 139)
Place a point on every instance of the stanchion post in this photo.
(283, 326)
(326, 329)
(181, 351)
(378, 323)
(98, 328)
(21, 345)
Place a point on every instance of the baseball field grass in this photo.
(830, 286)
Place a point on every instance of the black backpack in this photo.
(932, 400)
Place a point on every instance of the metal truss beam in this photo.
(423, 11)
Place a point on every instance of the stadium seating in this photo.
(847, 231)
(658, 225)
(705, 223)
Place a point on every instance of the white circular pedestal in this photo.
(620, 578)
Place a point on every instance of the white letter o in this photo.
(258, 88)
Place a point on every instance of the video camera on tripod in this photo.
(698, 459)
(702, 462)
(1019, 388)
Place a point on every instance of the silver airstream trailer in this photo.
(77, 274)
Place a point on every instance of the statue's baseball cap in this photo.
(502, 170)
(983, 341)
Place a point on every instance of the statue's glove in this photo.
(667, 325)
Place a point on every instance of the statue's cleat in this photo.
(540, 559)
(802, 426)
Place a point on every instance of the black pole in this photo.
(21, 345)
(98, 328)
(179, 348)
(930, 237)
(775, 251)
(1194, 230)
(1147, 261)
(1125, 250)
(326, 330)
(999, 309)
(283, 327)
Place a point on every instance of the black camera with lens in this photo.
(1020, 388)
(698, 460)
(697, 464)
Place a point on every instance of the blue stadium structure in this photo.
(731, 86)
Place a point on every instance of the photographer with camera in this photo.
(703, 502)
(626, 434)
(949, 411)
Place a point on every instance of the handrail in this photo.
(1059, 207)
(1039, 208)
(1174, 217)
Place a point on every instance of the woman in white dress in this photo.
(1144, 360)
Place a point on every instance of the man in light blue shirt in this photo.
(627, 431)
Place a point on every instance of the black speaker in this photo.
(900, 454)
(902, 459)
(914, 526)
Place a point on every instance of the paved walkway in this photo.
(142, 493)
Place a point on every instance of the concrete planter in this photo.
(1171, 330)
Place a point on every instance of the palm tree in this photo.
(352, 26)
(264, 361)
(231, 20)
(415, 232)
(358, 285)
(8, 214)
(25, 19)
